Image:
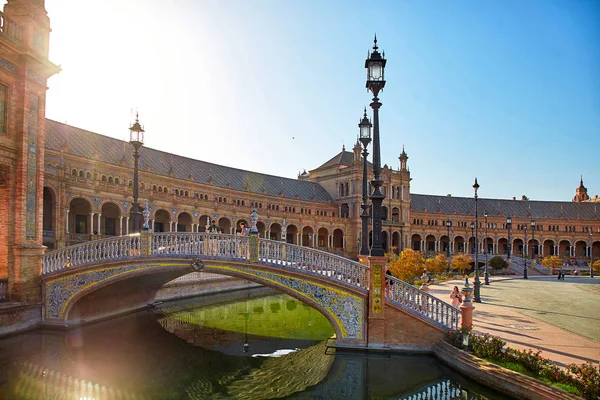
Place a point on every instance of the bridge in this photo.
(89, 281)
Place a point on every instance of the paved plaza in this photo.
(561, 318)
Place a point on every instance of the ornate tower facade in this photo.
(24, 70)
(581, 192)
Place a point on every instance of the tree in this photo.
(461, 262)
(596, 265)
(552, 262)
(437, 264)
(406, 266)
(497, 263)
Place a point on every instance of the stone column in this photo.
(99, 229)
(127, 225)
(67, 221)
(121, 225)
(92, 223)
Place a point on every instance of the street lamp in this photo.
(472, 236)
(476, 281)
(365, 138)
(524, 254)
(508, 246)
(532, 223)
(486, 278)
(375, 66)
(136, 138)
(591, 255)
(448, 225)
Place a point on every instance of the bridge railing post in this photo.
(145, 243)
(253, 247)
(376, 314)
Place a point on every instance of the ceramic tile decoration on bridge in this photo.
(338, 287)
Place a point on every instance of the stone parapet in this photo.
(19, 317)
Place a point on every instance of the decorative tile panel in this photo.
(61, 291)
(32, 160)
(7, 65)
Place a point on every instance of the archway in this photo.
(459, 244)
(79, 220)
(430, 243)
(548, 247)
(385, 241)
(488, 245)
(322, 240)
(384, 213)
(338, 239)
(110, 223)
(580, 250)
(502, 246)
(416, 242)
(49, 218)
(203, 223)
(396, 242)
(224, 225)
(275, 231)
(445, 244)
(307, 236)
(162, 221)
(564, 248)
(261, 228)
(184, 222)
(292, 233)
(518, 247)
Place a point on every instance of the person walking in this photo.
(456, 297)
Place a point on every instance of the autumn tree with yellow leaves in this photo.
(406, 266)
(461, 262)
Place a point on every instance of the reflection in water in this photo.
(204, 358)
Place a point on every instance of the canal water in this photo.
(247, 345)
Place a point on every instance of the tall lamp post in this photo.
(448, 225)
(375, 66)
(508, 247)
(486, 278)
(136, 138)
(365, 138)
(476, 281)
(525, 255)
(532, 223)
(591, 256)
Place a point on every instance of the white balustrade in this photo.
(419, 302)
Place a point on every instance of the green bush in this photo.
(587, 379)
(488, 347)
(583, 379)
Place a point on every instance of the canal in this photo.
(254, 344)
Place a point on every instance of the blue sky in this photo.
(508, 91)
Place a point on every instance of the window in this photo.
(74, 172)
(88, 175)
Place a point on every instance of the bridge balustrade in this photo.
(209, 246)
(313, 261)
(117, 248)
(421, 303)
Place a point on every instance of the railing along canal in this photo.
(209, 246)
(421, 303)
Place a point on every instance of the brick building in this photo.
(61, 185)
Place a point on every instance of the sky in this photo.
(507, 91)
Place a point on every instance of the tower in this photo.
(403, 159)
(581, 192)
(24, 71)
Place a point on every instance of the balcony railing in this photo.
(9, 29)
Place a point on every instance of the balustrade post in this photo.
(376, 312)
(466, 307)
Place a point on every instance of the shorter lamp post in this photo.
(473, 237)
(509, 245)
(486, 273)
(365, 139)
(591, 255)
(532, 223)
(525, 255)
(448, 225)
(136, 138)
